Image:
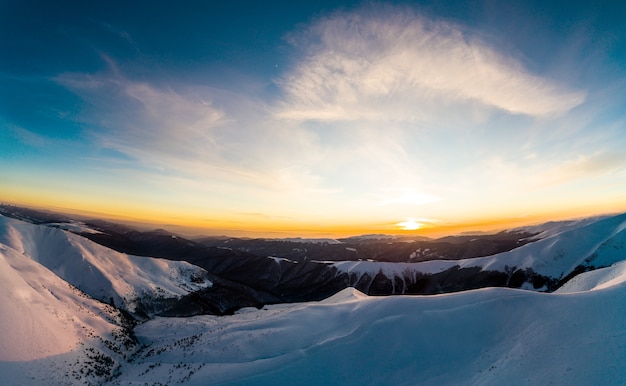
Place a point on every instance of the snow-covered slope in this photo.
(73, 226)
(597, 279)
(597, 242)
(482, 337)
(131, 282)
(30, 296)
(51, 332)
(552, 228)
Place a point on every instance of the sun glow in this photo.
(410, 225)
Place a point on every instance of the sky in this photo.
(320, 118)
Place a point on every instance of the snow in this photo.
(392, 269)
(29, 291)
(73, 226)
(596, 280)
(475, 337)
(279, 259)
(50, 331)
(603, 240)
(560, 253)
(553, 228)
(345, 296)
(99, 271)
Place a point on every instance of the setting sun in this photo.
(410, 225)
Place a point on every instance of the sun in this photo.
(410, 225)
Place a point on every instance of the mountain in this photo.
(254, 272)
(541, 261)
(565, 250)
(292, 270)
(376, 247)
(480, 337)
(54, 333)
(143, 286)
(76, 312)
(70, 305)
(139, 285)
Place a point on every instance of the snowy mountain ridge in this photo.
(53, 333)
(478, 337)
(591, 243)
(136, 284)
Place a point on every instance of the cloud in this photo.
(388, 63)
(518, 176)
(27, 137)
(205, 139)
(145, 122)
(168, 123)
(591, 165)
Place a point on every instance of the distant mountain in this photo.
(518, 259)
(376, 247)
(544, 264)
(143, 286)
(264, 271)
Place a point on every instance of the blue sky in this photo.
(316, 117)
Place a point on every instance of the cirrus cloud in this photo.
(389, 63)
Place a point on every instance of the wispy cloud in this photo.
(143, 121)
(214, 141)
(387, 63)
(597, 164)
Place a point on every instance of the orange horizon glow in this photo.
(223, 226)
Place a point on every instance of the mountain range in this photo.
(94, 302)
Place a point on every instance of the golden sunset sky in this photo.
(316, 118)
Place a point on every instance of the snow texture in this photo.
(101, 272)
(596, 280)
(481, 337)
(52, 333)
